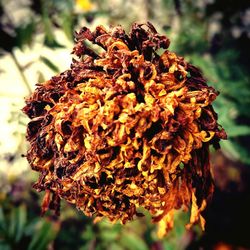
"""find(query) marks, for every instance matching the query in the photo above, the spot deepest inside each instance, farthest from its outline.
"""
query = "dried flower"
(124, 128)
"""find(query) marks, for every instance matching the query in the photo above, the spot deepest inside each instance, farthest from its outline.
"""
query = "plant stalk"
(25, 81)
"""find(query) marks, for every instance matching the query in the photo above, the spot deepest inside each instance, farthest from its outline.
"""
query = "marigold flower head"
(124, 128)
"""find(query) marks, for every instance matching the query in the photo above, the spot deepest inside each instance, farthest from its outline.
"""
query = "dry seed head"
(124, 128)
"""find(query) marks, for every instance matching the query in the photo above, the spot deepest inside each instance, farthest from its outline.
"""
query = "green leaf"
(5, 246)
(18, 218)
(24, 34)
(115, 246)
(2, 220)
(43, 236)
(169, 245)
(238, 130)
(229, 148)
(109, 235)
(12, 223)
(50, 64)
(67, 24)
(236, 151)
(31, 226)
(132, 242)
(21, 217)
(50, 39)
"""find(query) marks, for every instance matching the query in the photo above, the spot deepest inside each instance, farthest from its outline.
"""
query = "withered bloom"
(124, 128)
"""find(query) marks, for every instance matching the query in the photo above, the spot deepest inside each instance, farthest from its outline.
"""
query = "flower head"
(124, 128)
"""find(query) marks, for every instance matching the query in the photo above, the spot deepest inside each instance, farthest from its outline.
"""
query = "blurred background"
(36, 38)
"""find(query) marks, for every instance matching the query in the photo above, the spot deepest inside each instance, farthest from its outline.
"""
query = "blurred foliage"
(218, 55)
(21, 227)
(18, 233)
(214, 35)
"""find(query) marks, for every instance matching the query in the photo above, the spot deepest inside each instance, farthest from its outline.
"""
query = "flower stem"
(25, 81)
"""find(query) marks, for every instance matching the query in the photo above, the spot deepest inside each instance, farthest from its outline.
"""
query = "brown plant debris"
(124, 128)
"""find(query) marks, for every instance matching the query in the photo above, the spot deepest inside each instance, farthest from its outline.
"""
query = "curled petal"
(124, 128)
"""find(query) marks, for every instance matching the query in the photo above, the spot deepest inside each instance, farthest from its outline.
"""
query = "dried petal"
(124, 128)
